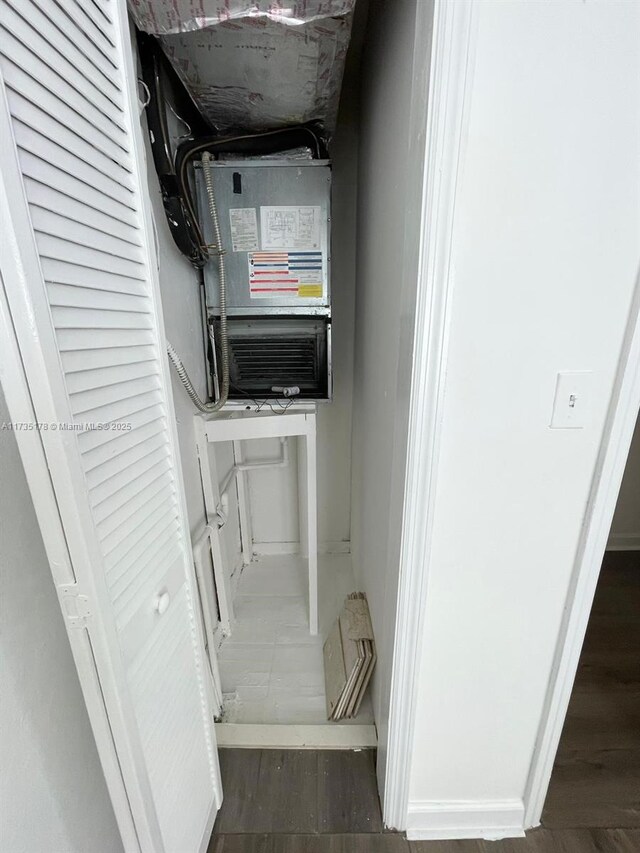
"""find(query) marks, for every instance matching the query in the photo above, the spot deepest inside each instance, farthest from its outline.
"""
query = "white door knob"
(162, 602)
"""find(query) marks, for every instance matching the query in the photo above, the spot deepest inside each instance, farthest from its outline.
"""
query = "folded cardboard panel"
(349, 658)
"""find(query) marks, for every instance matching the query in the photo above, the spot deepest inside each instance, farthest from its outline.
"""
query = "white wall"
(625, 529)
(545, 258)
(394, 89)
(52, 791)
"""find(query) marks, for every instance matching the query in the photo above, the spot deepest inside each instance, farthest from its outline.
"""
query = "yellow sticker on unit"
(309, 290)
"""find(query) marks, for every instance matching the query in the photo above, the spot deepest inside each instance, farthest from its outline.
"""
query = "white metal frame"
(244, 426)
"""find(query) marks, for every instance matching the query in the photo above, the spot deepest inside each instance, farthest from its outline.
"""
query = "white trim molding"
(605, 486)
(624, 542)
(290, 736)
(268, 549)
(490, 819)
(448, 83)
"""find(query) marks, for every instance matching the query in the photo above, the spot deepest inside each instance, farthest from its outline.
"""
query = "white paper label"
(290, 228)
(244, 229)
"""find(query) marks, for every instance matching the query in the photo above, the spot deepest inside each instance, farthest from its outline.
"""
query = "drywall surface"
(52, 790)
(545, 259)
(393, 117)
(625, 529)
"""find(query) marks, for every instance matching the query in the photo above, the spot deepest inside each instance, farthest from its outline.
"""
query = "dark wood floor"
(596, 778)
(298, 791)
(302, 801)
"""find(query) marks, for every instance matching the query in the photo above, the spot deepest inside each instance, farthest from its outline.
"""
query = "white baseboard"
(271, 548)
(322, 736)
(489, 819)
(334, 547)
(268, 549)
(624, 542)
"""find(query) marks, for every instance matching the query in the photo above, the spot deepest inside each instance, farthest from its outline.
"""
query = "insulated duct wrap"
(255, 66)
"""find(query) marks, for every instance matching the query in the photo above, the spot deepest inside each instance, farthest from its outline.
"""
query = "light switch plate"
(572, 403)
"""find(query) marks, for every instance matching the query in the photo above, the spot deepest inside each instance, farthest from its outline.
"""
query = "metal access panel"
(276, 351)
(275, 225)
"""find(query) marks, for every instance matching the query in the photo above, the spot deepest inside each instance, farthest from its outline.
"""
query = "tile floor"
(271, 667)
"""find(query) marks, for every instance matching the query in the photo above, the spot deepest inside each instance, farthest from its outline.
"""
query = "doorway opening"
(594, 782)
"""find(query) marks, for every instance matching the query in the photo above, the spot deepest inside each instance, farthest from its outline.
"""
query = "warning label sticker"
(288, 273)
(310, 290)
(244, 229)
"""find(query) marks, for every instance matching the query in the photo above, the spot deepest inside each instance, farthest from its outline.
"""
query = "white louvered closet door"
(79, 272)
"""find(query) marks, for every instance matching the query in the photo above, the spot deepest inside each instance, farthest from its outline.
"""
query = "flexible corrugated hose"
(224, 340)
(184, 378)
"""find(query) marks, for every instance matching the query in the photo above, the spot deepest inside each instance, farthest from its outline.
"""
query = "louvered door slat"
(71, 317)
(59, 271)
(98, 400)
(76, 362)
(87, 39)
(50, 199)
(109, 519)
(98, 13)
(19, 55)
(119, 410)
(126, 546)
(125, 481)
(152, 571)
(102, 474)
(43, 38)
(76, 296)
(42, 170)
(60, 225)
(72, 113)
(87, 339)
(120, 543)
(97, 446)
(77, 165)
(71, 140)
(162, 527)
(61, 105)
(91, 380)
(83, 256)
